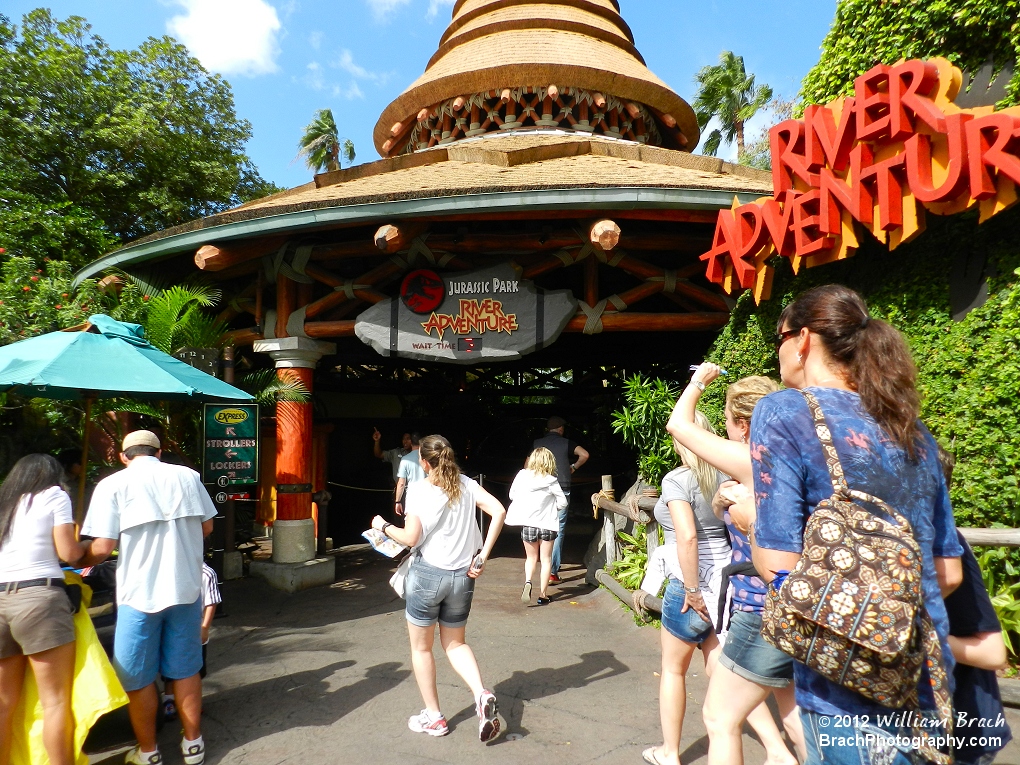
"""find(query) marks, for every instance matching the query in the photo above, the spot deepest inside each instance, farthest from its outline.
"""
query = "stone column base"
(294, 541)
(292, 577)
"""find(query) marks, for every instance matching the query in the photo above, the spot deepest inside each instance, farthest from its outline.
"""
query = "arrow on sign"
(230, 432)
(230, 454)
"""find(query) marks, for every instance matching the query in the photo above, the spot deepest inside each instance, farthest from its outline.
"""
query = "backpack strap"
(832, 463)
(835, 467)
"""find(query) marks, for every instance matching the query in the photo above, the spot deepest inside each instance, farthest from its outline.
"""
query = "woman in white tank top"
(449, 556)
(36, 621)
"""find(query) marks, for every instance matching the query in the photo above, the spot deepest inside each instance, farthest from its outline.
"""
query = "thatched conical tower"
(506, 65)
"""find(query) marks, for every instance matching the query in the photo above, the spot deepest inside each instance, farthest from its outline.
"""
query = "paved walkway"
(324, 676)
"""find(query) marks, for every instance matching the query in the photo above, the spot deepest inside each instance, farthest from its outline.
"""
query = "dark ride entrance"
(530, 238)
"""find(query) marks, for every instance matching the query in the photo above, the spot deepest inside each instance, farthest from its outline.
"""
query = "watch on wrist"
(699, 385)
(384, 527)
(692, 590)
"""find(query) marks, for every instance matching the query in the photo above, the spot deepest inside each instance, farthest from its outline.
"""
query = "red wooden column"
(294, 529)
(294, 451)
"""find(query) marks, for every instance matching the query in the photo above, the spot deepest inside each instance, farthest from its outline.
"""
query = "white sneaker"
(488, 723)
(194, 754)
(136, 757)
(423, 723)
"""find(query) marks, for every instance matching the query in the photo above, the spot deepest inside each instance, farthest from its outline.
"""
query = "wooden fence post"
(609, 524)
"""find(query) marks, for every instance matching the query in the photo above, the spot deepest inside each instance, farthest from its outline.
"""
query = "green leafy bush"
(642, 424)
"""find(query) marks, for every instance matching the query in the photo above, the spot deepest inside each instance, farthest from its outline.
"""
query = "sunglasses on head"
(781, 337)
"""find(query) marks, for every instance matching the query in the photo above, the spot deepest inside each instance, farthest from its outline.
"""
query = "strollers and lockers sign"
(489, 314)
(230, 437)
(879, 160)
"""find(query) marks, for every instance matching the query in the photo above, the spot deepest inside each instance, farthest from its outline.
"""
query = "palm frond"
(268, 388)
(170, 311)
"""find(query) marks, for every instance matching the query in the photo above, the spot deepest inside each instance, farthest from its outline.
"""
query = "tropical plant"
(642, 424)
(758, 152)
(629, 570)
(321, 145)
(728, 93)
(1000, 577)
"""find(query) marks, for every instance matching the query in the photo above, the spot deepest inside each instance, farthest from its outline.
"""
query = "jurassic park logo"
(473, 317)
(879, 160)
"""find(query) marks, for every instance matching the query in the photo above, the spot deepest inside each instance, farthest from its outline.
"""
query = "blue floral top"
(748, 591)
(790, 479)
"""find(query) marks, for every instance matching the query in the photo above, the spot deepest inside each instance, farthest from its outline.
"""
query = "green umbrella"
(104, 358)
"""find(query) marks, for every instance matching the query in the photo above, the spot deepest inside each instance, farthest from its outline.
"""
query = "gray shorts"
(437, 595)
(34, 620)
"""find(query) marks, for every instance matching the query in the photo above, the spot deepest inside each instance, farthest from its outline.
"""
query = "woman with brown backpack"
(846, 476)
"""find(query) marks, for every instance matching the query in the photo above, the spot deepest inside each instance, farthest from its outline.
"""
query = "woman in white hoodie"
(535, 501)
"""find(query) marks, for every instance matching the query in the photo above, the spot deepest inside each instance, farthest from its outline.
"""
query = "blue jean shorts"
(687, 626)
(437, 595)
(167, 643)
(745, 653)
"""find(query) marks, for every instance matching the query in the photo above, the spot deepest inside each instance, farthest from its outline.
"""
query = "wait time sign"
(230, 455)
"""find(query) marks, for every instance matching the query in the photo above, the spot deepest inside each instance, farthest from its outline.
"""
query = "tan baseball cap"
(140, 438)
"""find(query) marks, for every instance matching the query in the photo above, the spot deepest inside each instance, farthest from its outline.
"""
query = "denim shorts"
(745, 653)
(167, 643)
(437, 595)
(687, 626)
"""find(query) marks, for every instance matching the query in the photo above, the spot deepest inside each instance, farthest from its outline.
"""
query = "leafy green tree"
(321, 145)
(728, 93)
(99, 146)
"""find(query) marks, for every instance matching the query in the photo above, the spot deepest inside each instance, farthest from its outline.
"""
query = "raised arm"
(727, 456)
(376, 444)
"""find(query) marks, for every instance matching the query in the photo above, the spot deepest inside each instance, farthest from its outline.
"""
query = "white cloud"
(382, 9)
(314, 78)
(349, 93)
(229, 36)
(346, 62)
(315, 40)
(436, 5)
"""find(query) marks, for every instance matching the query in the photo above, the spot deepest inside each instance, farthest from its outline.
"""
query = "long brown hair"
(30, 475)
(437, 451)
(875, 356)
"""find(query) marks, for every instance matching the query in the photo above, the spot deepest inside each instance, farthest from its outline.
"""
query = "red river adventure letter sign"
(466, 318)
(878, 160)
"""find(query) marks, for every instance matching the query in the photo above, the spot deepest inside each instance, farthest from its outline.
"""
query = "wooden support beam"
(371, 278)
(286, 299)
(332, 280)
(653, 322)
(637, 267)
(330, 328)
(604, 234)
(231, 311)
(591, 281)
(217, 257)
(642, 291)
(242, 337)
(393, 238)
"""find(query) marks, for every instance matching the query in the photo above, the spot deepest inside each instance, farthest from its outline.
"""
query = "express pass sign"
(878, 161)
(489, 314)
(230, 454)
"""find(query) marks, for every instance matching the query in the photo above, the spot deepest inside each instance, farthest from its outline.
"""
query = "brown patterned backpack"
(852, 609)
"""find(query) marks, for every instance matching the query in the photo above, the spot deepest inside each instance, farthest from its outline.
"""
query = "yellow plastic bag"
(96, 692)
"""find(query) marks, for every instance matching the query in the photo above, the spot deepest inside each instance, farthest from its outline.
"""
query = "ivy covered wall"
(969, 369)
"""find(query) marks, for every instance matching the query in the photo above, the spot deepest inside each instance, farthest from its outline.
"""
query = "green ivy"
(867, 32)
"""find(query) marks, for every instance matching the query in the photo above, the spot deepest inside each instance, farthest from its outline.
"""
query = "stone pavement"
(324, 676)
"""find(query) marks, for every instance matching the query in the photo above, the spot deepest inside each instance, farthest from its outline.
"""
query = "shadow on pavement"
(307, 695)
(544, 682)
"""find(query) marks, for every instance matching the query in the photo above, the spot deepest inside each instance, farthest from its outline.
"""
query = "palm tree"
(728, 93)
(321, 145)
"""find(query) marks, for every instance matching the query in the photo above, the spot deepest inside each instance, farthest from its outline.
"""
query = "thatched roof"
(497, 44)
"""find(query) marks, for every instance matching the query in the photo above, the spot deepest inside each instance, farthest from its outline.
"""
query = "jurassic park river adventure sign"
(464, 318)
(878, 160)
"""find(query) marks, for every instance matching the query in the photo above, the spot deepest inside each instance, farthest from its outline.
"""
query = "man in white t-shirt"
(410, 471)
(158, 515)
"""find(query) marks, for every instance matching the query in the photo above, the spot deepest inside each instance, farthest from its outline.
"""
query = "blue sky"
(287, 58)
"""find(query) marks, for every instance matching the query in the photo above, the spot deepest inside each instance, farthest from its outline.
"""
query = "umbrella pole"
(80, 509)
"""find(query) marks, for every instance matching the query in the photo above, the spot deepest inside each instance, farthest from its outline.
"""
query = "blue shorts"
(437, 595)
(167, 643)
(745, 653)
(687, 626)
